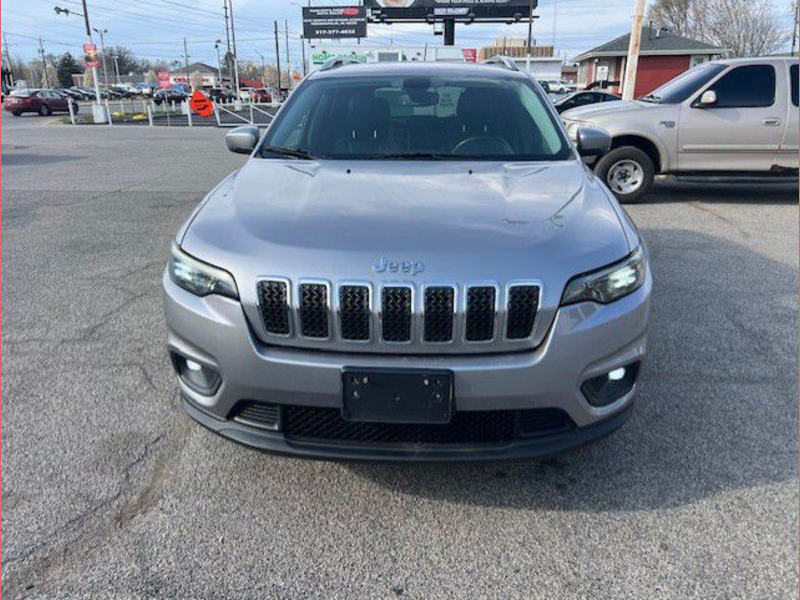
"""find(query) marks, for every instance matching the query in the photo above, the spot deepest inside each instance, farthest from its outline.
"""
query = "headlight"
(198, 277)
(607, 284)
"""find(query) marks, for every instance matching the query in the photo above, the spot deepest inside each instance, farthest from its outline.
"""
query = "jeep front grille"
(480, 313)
(314, 310)
(439, 304)
(354, 312)
(396, 314)
(487, 317)
(273, 298)
(523, 301)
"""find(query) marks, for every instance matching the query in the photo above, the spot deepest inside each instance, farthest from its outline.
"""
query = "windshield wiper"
(651, 98)
(303, 154)
(413, 156)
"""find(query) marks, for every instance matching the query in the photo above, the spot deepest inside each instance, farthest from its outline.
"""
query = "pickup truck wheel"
(627, 171)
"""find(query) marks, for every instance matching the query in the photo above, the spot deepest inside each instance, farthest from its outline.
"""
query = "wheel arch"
(644, 144)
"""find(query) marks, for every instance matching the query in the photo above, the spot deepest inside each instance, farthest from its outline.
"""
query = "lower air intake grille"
(311, 423)
(480, 313)
(523, 302)
(256, 414)
(543, 421)
(396, 314)
(439, 314)
(314, 310)
(273, 302)
(354, 312)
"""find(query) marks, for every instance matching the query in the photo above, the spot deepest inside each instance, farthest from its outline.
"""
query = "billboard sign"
(163, 79)
(470, 10)
(334, 22)
(470, 54)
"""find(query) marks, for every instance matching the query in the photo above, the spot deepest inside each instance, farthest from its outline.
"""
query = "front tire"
(628, 172)
(44, 110)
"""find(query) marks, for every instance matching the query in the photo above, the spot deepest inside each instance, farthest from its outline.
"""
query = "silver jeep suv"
(413, 264)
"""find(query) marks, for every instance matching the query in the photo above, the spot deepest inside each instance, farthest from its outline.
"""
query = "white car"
(245, 92)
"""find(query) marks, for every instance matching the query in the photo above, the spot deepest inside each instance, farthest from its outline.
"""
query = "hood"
(455, 222)
(601, 109)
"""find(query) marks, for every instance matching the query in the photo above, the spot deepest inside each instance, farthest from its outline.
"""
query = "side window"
(793, 77)
(749, 86)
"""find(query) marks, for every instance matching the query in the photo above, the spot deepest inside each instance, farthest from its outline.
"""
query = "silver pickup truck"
(722, 117)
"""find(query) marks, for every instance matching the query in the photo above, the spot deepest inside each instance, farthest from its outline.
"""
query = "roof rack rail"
(502, 61)
(338, 61)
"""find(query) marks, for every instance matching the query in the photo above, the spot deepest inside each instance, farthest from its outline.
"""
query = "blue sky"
(155, 28)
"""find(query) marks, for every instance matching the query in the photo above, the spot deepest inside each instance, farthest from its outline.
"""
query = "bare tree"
(682, 17)
(742, 27)
(745, 27)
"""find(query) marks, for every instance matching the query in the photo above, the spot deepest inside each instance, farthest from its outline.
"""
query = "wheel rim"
(625, 176)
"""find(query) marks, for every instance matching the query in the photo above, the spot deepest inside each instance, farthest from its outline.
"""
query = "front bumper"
(585, 340)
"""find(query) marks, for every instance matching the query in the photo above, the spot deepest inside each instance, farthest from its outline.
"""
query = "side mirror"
(708, 98)
(592, 141)
(242, 139)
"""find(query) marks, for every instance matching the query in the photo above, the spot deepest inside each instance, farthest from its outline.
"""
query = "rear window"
(21, 93)
(419, 117)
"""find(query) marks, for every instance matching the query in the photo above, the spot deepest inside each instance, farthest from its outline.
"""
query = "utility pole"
(8, 58)
(44, 65)
(227, 43)
(632, 63)
(103, 50)
(263, 70)
(530, 26)
(219, 62)
(794, 27)
(235, 55)
(303, 50)
(288, 59)
(278, 57)
(116, 67)
(186, 61)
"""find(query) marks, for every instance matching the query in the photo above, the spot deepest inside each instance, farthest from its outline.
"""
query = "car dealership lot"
(109, 489)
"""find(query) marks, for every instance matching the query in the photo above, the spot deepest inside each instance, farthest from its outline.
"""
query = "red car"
(44, 102)
(261, 95)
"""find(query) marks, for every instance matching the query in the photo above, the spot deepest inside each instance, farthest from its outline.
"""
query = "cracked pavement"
(109, 490)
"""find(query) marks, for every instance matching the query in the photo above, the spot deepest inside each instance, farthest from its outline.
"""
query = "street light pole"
(263, 70)
(116, 67)
(219, 61)
(97, 110)
(103, 50)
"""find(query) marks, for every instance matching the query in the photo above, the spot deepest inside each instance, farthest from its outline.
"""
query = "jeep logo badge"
(399, 266)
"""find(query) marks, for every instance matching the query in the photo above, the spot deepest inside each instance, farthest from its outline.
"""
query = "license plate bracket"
(422, 396)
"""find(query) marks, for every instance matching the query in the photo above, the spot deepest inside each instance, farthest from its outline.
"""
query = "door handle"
(771, 121)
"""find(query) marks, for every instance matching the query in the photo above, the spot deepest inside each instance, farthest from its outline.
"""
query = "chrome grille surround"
(375, 318)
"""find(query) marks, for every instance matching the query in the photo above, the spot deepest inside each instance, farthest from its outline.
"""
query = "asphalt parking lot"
(109, 490)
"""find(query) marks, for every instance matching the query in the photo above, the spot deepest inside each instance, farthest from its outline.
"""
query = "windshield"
(416, 117)
(684, 85)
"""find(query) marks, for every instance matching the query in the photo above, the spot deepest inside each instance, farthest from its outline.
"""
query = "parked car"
(735, 116)
(221, 94)
(575, 99)
(71, 93)
(556, 86)
(44, 102)
(169, 96)
(429, 280)
(260, 95)
(244, 93)
(88, 94)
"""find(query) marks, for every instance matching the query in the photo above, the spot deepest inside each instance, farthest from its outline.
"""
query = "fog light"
(614, 375)
(605, 389)
(201, 378)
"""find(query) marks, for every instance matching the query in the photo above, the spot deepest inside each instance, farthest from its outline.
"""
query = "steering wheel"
(482, 144)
